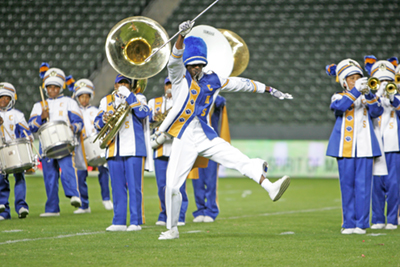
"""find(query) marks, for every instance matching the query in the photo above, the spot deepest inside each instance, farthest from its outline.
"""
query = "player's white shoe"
(181, 223)
(170, 234)
(50, 214)
(390, 226)
(82, 211)
(277, 189)
(1, 218)
(359, 231)
(108, 205)
(160, 223)
(23, 212)
(208, 219)
(133, 227)
(116, 228)
(378, 226)
(2, 208)
(76, 202)
(199, 218)
(347, 231)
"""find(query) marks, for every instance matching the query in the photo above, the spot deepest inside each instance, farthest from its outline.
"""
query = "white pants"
(184, 152)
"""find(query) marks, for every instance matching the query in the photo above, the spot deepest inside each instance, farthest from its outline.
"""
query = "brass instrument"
(158, 119)
(391, 89)
(397, 78)
(113, 124)
(373, 83)
(240, 52)
(128, 44)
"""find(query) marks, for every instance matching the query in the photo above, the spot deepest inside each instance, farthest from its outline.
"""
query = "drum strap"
(110, 109)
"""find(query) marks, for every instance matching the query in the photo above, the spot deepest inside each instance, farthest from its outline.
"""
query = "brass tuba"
(128, 44)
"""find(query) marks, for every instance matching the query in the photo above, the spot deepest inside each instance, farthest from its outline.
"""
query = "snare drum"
(94, 154)
(57, 139)
(17, 156)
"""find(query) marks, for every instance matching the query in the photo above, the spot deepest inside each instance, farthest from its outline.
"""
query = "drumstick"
(43, 100)
(34, 148)
(7, 131)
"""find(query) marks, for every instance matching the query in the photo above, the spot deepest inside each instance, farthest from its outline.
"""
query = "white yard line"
(280, 213)
(54, 237)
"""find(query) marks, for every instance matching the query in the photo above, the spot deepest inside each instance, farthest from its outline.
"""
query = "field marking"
(280, 213)
(12, 231)
(54, 237)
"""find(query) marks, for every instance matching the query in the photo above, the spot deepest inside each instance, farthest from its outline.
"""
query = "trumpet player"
(126, 154)
(354, 143)
(194, 93)
(161, 105)
(385, 188)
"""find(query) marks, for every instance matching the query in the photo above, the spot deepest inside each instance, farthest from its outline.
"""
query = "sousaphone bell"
(128, 44)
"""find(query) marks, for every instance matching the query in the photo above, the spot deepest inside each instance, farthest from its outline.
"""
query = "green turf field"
(301, 229)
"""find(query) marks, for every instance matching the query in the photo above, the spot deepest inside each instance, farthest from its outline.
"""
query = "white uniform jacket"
(161, 104)
(353, 134)
(195, 98)
(14, 125)
(133, 138)
(390, 124)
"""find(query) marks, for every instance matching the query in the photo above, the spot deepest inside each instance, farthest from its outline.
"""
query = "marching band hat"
(120, 77)
(382, 69)
(344, 69)
(167, 80)
(9, 90)
(54, 76)
(84, 86)
(195, 51)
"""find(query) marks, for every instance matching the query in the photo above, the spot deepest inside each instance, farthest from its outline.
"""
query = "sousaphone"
(128, 44)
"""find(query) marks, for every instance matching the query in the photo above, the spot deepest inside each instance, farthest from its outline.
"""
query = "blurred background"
(290, 43)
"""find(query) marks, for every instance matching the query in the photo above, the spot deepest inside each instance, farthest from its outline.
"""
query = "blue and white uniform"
(188, 122)
(161, 157)
(89, 114)
(14, 124)
(61, 108)
(205, 187)
(354, 144)
(126, 156)
(385, 188)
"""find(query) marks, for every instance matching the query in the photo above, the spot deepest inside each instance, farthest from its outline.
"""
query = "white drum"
(94, 154)
(17, 156)
(56, 139)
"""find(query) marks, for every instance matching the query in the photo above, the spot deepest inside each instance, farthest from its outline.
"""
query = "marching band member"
(385, 188)
(353, 143)
(161, 105)
(126, 154)
(57, 108)
(13, 125)
(83, 93)
(194, 92)
(205, 187)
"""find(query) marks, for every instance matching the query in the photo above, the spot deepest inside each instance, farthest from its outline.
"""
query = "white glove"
(185, 27)
(119, 99)
(361, 84)
(381, 89)
(278, 94)
(157, 139)
(124, 91)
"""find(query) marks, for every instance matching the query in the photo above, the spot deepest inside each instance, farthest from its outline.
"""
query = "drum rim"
(16, 141)
(49, 124)
(26, 165)
(45, 152)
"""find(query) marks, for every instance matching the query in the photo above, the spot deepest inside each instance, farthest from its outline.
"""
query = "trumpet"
(397, 79)
(373, 83)
(391, 89)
